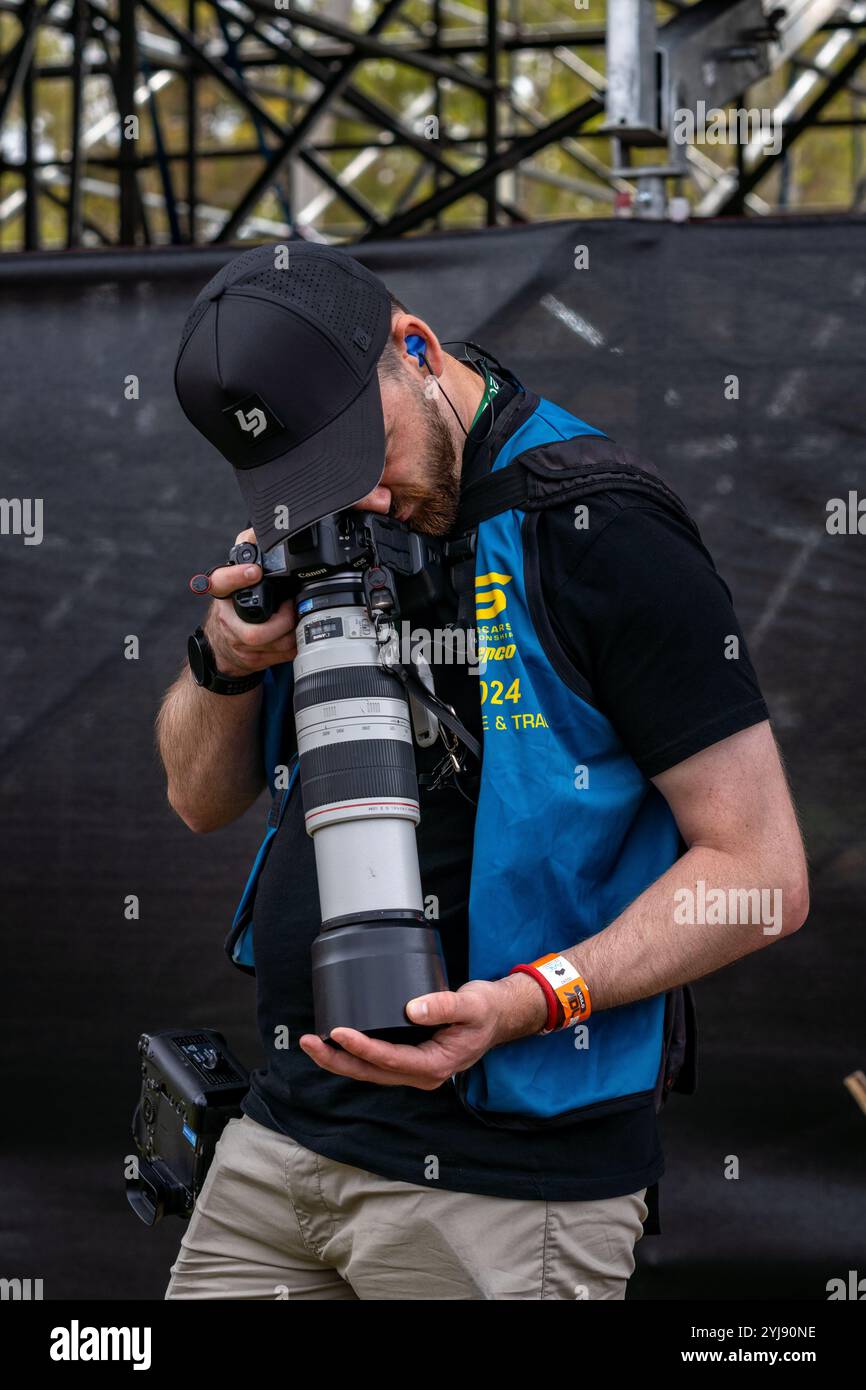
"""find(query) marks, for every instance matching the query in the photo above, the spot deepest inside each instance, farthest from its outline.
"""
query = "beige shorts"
(276, 1221)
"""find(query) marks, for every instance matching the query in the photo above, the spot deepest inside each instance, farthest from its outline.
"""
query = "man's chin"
(436, 520)
(429, 526)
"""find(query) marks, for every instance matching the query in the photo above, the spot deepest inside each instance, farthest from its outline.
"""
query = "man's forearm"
(210, 750)
(653, 946)
(209, 743)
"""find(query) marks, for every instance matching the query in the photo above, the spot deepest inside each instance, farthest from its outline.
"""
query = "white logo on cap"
(254, 422)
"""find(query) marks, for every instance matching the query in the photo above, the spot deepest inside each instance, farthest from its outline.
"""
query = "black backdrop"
(640, 343)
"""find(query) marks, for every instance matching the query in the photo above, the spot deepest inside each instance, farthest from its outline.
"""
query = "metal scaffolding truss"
(149, 121)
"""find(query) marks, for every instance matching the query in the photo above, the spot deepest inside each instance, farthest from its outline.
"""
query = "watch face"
(196, 653)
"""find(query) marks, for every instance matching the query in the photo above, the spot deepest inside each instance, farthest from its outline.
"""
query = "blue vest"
(568, 831)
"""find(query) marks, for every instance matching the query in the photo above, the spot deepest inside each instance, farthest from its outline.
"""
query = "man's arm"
(734, 811)
(209, 744)
(210, 750)
(733, 808)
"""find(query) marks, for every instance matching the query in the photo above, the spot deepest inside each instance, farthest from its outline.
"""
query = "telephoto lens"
(376, 950)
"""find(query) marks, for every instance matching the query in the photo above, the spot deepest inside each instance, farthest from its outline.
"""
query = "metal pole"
(31, 204)
(437, 101)
(126, 73)
(73, 217)
(191, 129)
(491, 103)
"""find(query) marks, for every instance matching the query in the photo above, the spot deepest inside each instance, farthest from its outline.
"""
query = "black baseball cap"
(277, 368)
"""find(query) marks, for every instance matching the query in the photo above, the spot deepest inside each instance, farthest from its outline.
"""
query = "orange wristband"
(569, 987)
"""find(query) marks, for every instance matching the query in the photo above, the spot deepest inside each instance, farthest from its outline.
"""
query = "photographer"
(627, 761)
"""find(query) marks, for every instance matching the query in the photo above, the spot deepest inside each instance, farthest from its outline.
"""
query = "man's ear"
(408, 325)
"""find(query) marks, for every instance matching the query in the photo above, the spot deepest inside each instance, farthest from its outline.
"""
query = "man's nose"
(379, 500)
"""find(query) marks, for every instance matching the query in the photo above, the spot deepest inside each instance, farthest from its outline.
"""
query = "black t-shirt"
(636, 601)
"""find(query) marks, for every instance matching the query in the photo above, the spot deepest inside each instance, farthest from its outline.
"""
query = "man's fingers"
(240, 647)
(227, 579)
(263, 636)
(399, 1058)
(435, 1010)
(346, 1063)
(259, 658)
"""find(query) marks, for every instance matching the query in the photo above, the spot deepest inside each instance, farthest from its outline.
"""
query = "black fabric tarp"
(640, 342)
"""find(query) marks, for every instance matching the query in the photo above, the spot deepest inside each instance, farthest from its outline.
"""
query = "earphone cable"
(472, 362)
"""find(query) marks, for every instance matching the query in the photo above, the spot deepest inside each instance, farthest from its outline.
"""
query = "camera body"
(191, 1086)
(348, 540)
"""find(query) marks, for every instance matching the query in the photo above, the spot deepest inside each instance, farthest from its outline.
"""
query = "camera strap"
(444, 713)
(380, 597)
(550, 474)
(546, 476)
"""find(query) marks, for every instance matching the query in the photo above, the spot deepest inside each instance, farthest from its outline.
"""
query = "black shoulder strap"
(545, 476)
(548, 474)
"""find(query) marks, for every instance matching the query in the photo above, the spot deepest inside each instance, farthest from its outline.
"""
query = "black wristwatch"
(204, 672)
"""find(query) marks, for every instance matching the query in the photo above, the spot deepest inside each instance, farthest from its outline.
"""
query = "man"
(629, 771)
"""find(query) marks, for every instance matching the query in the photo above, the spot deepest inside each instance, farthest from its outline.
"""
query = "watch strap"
(214, 680)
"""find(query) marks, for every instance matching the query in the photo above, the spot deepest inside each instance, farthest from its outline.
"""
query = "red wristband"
(554, 1008)
(557, 976)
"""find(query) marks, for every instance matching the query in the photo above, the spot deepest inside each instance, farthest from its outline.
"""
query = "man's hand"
(210, 744)
(240, 647)
(480, 1016)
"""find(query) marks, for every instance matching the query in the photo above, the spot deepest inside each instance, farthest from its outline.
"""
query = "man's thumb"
(433, 1009)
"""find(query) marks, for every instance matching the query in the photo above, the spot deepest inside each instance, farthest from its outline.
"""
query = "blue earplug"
(416, 347)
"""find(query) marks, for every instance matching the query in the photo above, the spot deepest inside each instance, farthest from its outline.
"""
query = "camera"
(347, 540)
(191, 1086)
(352, 698)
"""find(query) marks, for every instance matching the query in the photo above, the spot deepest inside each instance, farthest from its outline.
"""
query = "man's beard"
(434, 503)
